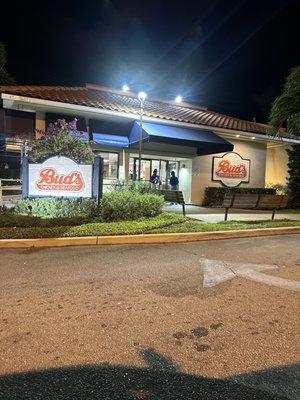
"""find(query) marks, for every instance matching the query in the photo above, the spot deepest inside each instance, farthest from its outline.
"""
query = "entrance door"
(163, 167)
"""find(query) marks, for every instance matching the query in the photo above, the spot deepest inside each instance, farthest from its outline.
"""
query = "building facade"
(204, 148)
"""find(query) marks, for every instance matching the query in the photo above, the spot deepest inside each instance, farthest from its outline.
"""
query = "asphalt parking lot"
(138, 322)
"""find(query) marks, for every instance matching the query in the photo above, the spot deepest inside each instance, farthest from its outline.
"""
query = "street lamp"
(142, 97)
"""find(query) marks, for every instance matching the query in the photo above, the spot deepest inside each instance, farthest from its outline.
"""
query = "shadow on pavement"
(160, 380)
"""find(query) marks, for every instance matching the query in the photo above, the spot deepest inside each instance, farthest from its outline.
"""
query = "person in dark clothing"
(174, 181)
(154, 179)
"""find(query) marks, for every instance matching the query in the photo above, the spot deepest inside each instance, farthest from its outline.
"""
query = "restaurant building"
(203, 147)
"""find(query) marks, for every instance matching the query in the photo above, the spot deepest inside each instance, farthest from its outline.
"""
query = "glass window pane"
(145, 169)
(110, 165)
(132, 174)
(163, 172)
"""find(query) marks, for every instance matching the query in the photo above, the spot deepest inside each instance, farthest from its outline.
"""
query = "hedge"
(8, 219)
(129, 205)
(57, 207)
(213, 196)
(133, 186)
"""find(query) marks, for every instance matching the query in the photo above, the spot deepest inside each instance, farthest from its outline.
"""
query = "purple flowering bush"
(62, 139)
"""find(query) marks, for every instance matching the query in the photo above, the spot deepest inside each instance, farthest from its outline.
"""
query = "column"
(40, 123)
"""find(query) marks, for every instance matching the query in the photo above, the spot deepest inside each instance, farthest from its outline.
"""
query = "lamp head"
(142, 96)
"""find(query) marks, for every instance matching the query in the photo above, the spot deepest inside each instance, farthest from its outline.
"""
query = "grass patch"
(164, 223)
(93, 228)
(196, 226)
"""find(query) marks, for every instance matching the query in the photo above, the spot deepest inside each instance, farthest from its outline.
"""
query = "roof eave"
(32, 104)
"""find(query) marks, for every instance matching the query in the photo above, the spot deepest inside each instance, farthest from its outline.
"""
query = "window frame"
(118, 162)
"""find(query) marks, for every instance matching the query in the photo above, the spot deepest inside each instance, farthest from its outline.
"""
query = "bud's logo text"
(50, 180)
(228, 170)
(231, 169)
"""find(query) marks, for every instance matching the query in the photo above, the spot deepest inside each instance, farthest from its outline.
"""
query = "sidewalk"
(207, 214)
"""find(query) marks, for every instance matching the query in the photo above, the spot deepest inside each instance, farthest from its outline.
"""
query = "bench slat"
(174, 196)
(227, 200)
(270, 201)
(245, 201)
(4, 188)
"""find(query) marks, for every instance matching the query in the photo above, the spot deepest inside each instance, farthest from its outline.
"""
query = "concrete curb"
(146, 239)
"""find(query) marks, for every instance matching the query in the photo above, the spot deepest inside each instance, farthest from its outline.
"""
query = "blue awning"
(110, 140)
(206, 142)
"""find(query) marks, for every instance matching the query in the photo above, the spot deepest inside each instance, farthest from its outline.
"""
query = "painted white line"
(216, 272)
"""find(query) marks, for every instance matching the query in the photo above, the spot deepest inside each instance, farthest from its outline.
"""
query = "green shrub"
(133, 186)
(214, 196)
(57, 207)
(279, 189)
(129, 205)
(3, 209)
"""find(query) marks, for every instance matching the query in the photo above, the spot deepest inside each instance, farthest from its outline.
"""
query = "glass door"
(145, 169)
(172, 166)
(163, 174)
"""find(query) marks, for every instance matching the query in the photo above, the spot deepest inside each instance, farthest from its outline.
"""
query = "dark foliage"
(213, 196)
(294, 176)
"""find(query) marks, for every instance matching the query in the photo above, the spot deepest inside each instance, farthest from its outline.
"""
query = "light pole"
(141, 96)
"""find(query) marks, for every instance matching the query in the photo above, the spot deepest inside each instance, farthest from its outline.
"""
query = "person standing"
(174, 181)
(154, 179)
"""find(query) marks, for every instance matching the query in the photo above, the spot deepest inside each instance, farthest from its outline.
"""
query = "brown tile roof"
(115, 100)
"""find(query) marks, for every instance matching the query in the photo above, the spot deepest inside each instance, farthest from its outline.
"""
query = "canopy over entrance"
(206, 142)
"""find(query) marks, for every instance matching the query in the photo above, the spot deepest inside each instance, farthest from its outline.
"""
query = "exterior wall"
(17, 124)
(202, 168)
(276, 168)
(185, 179)
(40, 123)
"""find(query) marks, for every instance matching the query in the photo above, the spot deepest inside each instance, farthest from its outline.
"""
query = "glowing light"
(125, 88)
(253, 137)
(142, 96)
(178, 99)
(237, 135)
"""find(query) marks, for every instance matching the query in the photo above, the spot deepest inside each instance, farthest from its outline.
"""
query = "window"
(110, 164)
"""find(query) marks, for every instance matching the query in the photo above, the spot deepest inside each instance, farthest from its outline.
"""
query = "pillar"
(40, 123)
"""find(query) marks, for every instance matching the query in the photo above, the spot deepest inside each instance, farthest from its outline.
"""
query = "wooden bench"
(254, 202)
(9, 188)
(174, 196)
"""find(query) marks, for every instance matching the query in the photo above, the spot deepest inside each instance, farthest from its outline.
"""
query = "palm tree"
(286, 107)
(5, 78)
(286, 110)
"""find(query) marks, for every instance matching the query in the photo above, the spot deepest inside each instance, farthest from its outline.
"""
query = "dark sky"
(231, 56)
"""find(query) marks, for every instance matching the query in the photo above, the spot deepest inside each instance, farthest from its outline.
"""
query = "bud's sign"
(231, 169)
(60, 177)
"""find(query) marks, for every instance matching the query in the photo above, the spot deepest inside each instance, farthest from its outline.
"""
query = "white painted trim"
(9, 99)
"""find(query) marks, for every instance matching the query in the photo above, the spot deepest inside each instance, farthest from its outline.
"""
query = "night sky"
(231, 56)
